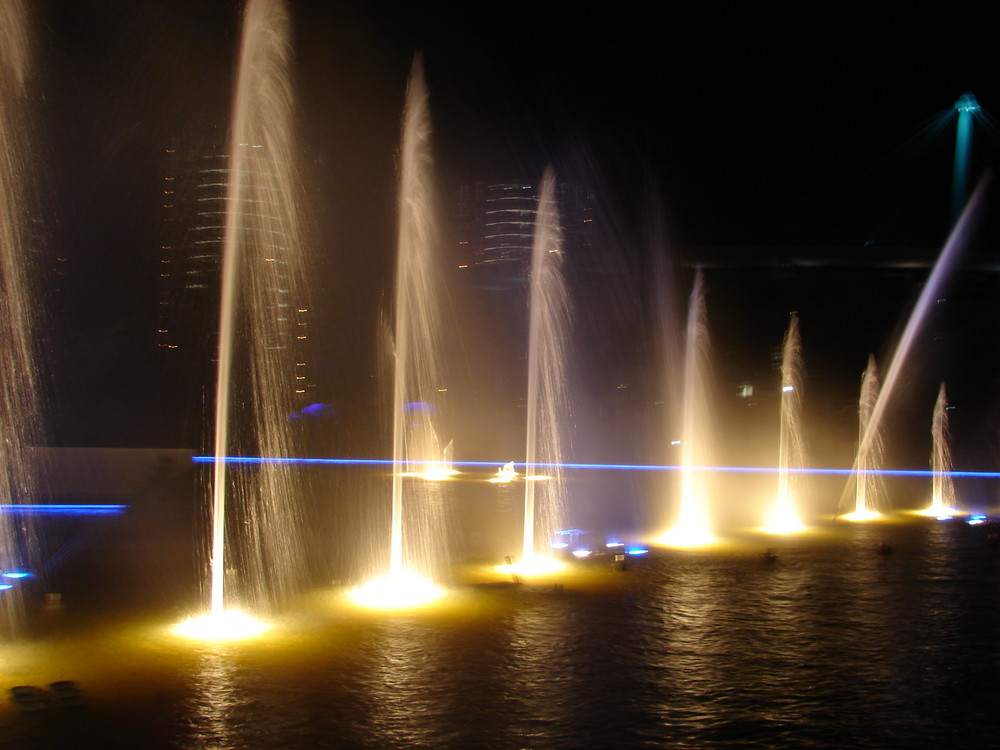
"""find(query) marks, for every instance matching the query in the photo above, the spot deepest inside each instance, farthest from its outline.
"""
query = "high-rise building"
(189, 261)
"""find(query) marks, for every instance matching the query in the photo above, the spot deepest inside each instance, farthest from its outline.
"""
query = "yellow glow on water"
(862, 515)
(432, 474)
(403, 591)
(532, 566)
(938, 511)
(685, 537)
(783, 522)
(231, 625)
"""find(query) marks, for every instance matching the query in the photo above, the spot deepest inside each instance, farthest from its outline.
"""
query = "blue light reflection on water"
(92, 509)
(602, 467)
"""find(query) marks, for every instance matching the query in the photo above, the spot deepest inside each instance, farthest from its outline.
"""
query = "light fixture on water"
(862, 515)
(783, 525)
(505, 474)
(686, 535)
(431, 473)
(783, 519)
(532, 566)
(397, 592)
(229, 625)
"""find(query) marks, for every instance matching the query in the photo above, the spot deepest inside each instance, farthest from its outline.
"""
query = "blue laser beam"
(89, 509)
(603, 467)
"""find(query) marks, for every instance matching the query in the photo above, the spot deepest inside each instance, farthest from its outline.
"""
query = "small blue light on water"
(16, 575)
(976, 520)
(5, 586)
(614, 544)
(559, 545)
(945, 518)
(636, 551)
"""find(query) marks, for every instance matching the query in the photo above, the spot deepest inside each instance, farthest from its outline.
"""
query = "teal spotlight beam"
(966, 106)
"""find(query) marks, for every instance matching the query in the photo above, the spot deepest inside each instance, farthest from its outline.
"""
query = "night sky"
(739, 125)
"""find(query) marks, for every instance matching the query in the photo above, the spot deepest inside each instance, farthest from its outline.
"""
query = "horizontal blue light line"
(600, 467)
(67, 509)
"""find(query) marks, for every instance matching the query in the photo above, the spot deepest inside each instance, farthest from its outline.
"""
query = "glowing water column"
(867, 466)
(942, 487)
(261, 268)
(418, 521)
(18, 393)
(693, 527)
(784, 517)
(549, 323)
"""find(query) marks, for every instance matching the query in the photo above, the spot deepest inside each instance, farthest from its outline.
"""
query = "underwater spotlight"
(230, 625)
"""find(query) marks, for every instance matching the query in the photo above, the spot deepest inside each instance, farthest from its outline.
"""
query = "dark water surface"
(833, 645)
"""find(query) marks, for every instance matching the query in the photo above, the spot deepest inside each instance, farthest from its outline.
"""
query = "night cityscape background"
(796, 161)
(805, 160)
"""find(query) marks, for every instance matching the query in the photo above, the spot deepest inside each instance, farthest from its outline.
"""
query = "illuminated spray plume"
(785, 517)
(931, 291)
(17, 409)
(18, 393)
(547, 402)
(693, 526)
(261, 271)
(868, 487)
(942, 486)
(418, 529)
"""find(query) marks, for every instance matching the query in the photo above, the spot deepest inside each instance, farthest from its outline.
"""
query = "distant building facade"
(188, 267)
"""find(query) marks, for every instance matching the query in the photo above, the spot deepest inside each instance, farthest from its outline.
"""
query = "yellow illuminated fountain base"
(862, 515)
(431, 475)
(532, 566)
(938, 511)
(230, 625)
(783, 523)
(403, 591)
(689, 533)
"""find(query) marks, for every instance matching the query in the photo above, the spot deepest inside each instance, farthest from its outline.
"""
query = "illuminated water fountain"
(869, 490)
(942, 487)
(784, 517)
(419, 519)
(693, 526)
(18, 393)
(869, 444)
(255, 540)
(544, 501)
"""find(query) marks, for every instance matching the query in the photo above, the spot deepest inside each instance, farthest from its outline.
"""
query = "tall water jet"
(693, 526)
(942, 486)
(259, 322)
(418, 530)
(19, 404)
(868, 489)
(785, 517)
(544, 502)
(931, 291)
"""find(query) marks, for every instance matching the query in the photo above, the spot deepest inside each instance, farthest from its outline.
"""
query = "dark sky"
(760, 124)
(751, 125)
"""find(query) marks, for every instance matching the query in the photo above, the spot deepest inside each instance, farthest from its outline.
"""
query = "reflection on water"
(872, 636)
